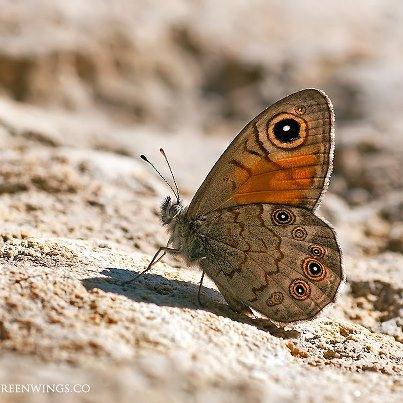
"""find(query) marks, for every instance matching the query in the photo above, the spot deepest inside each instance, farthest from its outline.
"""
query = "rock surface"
(87, 86)
(63, 302)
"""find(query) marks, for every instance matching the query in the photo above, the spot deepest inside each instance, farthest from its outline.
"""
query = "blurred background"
(207, 67)
(86, 86)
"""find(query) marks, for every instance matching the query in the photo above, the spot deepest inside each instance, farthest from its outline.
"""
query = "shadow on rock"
(157, 289)
(152, 288)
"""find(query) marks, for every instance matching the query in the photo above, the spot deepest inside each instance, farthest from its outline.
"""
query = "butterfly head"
(170, 209)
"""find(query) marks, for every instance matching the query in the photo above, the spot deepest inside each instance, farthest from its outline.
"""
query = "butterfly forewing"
(283, 156)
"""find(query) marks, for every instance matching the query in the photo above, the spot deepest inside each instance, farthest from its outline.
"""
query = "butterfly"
(252, 227)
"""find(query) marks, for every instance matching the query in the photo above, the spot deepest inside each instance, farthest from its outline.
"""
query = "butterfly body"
(252, 227)
(186, 234)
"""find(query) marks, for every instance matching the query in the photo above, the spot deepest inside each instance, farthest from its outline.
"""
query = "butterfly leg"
(199, 290)
(235, 305)
(154, 260)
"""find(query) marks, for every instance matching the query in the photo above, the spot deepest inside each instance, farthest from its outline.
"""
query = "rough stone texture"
(63, 302)
(87, 86)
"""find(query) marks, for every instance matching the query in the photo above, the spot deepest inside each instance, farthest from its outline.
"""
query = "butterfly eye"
(299, 289)
(313, 269)
(286, 130)
(282, 217)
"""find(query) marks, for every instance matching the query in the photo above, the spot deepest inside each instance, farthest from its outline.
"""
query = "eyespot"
(299, 233)
(275, 298)
(300, 109)
(313, 269)
(317, 251)
(282, 216)
(299, 289)
(287, 130)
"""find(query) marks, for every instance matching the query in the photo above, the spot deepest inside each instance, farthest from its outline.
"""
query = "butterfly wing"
(264, 247)
(282, 261)
(283, 156)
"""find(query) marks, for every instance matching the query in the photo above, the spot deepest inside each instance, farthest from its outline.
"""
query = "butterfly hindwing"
(282, 261)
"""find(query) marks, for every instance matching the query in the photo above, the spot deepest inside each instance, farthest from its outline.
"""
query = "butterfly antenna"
(172, 174)
(144, 158)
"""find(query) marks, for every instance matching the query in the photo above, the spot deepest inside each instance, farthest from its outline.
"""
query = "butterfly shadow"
(157, 289)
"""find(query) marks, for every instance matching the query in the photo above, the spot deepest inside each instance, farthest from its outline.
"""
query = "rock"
(375, 292)
(396, 238)
(64, 302)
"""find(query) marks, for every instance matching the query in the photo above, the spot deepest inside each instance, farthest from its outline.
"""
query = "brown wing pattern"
(283, 156)
(282, 261)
